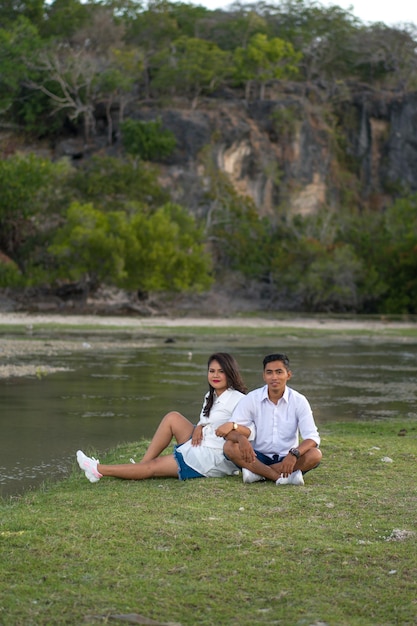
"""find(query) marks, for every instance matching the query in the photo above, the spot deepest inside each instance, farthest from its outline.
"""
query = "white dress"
(208, 458)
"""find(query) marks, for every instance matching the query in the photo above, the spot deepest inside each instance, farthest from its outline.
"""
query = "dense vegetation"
(109, 221)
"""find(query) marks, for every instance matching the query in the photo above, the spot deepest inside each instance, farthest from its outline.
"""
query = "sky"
(387, 11)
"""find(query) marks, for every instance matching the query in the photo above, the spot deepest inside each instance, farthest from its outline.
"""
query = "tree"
(17, 42)
(265, 59)
(29, 197)
(399, 256)
(90, 246)
(71, 71)
(239, 239)
(152, 30)
(69, 78)
(191, 66)
(189, 18)
(64, 18)
(167, 253)
(330, 282)
(322, 34)
(386, 56)
(147, 140)
(158, 252)
(112, 184)
(11, 11)
(117, 84)
(233, 28)
(366, 234)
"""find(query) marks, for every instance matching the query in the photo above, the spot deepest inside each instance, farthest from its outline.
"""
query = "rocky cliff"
(299, 149)
(296, 151)
(302, 148)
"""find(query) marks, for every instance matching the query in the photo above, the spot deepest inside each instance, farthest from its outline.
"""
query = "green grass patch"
(338, 551)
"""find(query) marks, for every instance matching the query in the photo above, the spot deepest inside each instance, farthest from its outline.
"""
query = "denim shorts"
(267, 460)
(185, 471)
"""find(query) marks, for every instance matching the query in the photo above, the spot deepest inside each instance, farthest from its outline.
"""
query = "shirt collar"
(266, 397)
(222, 396)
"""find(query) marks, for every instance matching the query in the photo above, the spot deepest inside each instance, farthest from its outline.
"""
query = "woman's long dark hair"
(234, 379)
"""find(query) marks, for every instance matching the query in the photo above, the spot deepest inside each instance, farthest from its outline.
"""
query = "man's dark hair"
(277, 357)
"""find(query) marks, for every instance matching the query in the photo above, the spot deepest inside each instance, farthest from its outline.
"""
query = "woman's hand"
(197, 437)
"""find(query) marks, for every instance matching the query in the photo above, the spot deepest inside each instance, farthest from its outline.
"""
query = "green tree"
(366, 234)
(166, 252)
(118, 83)
(239, 239)
(90, 246)
(11, 11)
(30, 197)
(158, 252)
(265, 59)
(399, 256)
(113, 184)
(64, 18)
(322, 34)
(147, 140)
(16, 42)
(191, 67)
(233, 28)
(191, 19)
(330, 281)
(152, 30)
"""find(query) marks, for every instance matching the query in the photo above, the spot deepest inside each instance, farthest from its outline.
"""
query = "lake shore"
(28, 343)
(258, 321)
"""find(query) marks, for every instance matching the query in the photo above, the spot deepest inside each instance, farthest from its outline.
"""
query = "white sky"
(391, 12)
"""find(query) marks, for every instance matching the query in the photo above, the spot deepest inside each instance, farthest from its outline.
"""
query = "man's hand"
(287, 465)
(246, 450)
(197, 437)
(224, 429)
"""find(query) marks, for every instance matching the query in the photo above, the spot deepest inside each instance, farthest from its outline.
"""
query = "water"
(121, 396)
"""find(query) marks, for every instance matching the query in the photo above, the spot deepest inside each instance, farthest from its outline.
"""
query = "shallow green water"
(121, 396)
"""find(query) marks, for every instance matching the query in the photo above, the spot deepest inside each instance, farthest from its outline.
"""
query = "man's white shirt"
(277, 426)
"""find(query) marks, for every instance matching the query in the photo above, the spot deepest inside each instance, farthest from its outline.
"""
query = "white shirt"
(278, 426)
(221, 412)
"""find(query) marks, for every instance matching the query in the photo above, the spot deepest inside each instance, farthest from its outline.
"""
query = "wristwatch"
(235, 426)
(294, 452)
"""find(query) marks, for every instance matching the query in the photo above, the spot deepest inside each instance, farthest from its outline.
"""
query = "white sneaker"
(250, 477)
(89, 467)
(296, 478)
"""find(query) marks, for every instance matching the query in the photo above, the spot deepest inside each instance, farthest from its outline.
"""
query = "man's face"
(276, 376)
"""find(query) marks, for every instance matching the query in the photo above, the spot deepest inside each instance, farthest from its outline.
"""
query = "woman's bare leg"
(163, 466)
(152, 465)
(173, 425)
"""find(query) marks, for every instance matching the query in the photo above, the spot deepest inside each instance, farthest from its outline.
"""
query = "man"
(280, 415)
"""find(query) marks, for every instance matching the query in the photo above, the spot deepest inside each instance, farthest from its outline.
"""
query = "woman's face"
(216, 377)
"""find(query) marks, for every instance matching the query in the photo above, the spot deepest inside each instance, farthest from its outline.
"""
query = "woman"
(199, 452)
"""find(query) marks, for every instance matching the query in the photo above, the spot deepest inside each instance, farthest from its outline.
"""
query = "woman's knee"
(174, 416)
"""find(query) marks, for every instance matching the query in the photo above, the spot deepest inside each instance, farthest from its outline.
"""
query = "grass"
(338, 551)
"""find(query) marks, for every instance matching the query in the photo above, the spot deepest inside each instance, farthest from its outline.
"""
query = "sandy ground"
(30, 319)
(13, 351)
